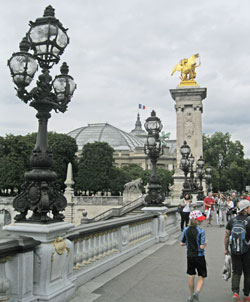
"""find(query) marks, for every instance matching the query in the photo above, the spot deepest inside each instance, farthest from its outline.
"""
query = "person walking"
(222, 205)
(194, 238)
(185, 211)
(208, 204)
(238, 235)
(236, 201)
(230, 208)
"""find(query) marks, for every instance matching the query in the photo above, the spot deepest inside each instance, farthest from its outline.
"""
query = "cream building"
(129, 147)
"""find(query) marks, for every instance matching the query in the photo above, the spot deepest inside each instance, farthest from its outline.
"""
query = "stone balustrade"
(51, 261)
(16, 268)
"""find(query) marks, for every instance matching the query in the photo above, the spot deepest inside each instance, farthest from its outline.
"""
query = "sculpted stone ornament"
(133, 186)
(60, 246)
(187, 68)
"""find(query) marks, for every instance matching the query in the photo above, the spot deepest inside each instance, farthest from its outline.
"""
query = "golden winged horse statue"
(187, 69)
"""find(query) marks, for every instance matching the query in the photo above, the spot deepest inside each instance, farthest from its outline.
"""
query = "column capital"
(188, 92)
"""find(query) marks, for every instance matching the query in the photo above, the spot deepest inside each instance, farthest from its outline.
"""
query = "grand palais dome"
(103, 132)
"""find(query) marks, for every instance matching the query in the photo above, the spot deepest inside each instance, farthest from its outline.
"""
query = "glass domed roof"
(116, 138)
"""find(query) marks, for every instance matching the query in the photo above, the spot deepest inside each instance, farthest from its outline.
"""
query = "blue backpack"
(239, 245)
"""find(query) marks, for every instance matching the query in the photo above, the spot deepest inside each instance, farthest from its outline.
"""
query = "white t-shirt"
(187, 207)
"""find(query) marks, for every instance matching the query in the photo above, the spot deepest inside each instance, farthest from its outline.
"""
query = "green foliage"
(229, 168)
(94, 169)
(64, 149)
(165, 178)
(15, 152)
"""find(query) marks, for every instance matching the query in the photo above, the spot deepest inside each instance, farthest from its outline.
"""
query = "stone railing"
(53, 260)
(100, 246)
(117, 212)
(98, 200)
(16, 267)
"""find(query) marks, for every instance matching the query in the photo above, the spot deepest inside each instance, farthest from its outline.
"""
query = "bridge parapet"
(65, 257)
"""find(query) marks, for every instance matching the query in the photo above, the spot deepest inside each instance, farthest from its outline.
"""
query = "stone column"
(189, 107)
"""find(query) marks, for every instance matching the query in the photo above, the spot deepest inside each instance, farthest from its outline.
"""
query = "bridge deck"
(159, 274)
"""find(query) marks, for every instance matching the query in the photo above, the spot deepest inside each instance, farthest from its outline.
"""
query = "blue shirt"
(194, 237)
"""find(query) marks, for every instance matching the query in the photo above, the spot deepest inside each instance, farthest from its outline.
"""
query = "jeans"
(184, 218)
(241, 263)
(222, 216)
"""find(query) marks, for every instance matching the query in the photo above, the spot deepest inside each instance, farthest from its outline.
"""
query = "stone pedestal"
(189, 107)
(53, 260)
(161, 211)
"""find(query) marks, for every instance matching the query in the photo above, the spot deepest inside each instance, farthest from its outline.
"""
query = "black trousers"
(184, 219)
(241, 263)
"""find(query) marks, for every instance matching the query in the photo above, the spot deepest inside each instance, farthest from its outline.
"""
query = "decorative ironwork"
(153, 148)
(190, 184)
(48, 39)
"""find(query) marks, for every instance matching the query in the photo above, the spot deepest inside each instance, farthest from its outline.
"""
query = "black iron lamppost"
(153, 149)
(184, 166)
(200, 173)
(208, 178)
(47, 38)
(192, 178)
(220, 164)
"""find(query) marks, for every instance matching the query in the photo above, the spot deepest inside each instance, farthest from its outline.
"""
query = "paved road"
(161, 276)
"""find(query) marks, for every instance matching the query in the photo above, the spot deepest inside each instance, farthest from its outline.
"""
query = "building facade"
(129, 147)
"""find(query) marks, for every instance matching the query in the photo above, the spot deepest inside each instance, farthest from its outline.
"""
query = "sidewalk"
(159, 274)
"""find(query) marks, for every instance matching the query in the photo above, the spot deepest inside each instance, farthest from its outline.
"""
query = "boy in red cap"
(193, 237)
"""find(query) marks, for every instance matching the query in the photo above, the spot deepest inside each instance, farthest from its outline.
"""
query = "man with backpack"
(238, 236)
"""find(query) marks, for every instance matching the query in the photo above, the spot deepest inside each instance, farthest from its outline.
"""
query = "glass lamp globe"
(64, 85)
(22, 65)
(200, 162)
(185, 149)
(153, 124)
(48, 38)
(208, 170)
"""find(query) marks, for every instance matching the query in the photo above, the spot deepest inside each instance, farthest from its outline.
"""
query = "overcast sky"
(121, 54)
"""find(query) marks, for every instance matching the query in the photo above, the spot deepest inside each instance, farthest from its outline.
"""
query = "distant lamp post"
(220, 164)
(208, 178)
(200, 173)
(184, 166)
(153, 149)
(47, 38)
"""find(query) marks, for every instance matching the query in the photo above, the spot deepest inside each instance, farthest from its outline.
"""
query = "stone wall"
(58, 257)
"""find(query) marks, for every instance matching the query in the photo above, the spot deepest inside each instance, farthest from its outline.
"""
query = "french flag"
(142, 106)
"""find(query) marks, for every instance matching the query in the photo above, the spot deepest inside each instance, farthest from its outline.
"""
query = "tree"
(165, 178)
(118, 178)
(15, 152)
(227, 160)
(95, 166)
(14, 161)
(64, 150)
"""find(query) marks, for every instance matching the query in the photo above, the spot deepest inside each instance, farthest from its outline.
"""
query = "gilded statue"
(187, 68)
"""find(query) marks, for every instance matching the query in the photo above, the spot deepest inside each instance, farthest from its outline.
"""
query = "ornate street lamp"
(200, 173)
(208, 178)
(153, 149)
(184, 166)
(47, 38)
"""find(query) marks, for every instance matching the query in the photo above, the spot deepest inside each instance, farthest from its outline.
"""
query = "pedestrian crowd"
(231, 212)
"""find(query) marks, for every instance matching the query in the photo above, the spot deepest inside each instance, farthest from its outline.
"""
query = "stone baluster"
(98, 246)
(91, 249)
(101, 245)
(105, 243)
(115, 240)
(95, 247)
(109, 242)
(4, 281)
(87, 247)
(76, 246)
(84, 255)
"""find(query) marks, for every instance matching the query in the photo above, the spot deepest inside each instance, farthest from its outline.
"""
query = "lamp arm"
(24, 95)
